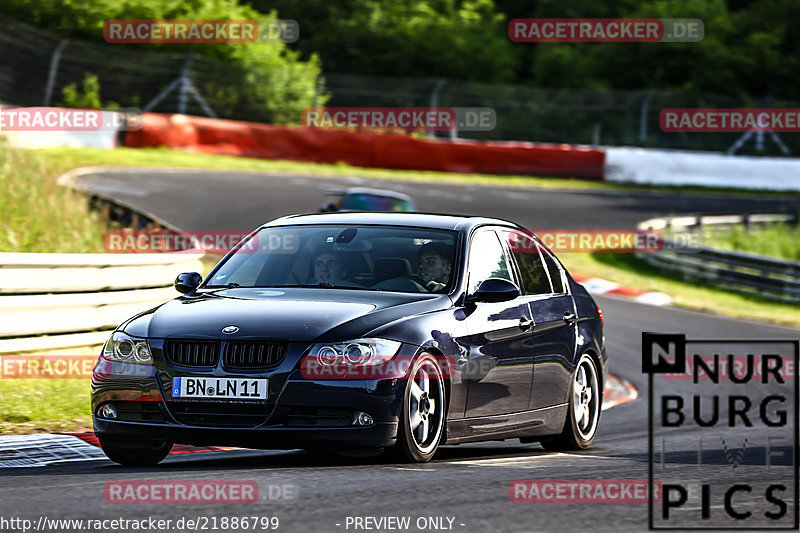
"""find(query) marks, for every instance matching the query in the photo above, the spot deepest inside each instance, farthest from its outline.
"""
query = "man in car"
(328, 265)
(435, 265)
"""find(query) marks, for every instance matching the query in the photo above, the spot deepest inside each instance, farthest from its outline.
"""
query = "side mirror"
(187, 282)
(495, 290)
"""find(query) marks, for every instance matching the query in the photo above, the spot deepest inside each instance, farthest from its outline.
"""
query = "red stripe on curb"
(626, 291)
(91, 438)
(621, 290)
(618, 392)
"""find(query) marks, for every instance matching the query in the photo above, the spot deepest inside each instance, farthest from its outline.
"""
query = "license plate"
(223, 388)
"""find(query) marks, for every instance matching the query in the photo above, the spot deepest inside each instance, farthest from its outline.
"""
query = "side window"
(487, 259)
(555, 272)
(527, 254)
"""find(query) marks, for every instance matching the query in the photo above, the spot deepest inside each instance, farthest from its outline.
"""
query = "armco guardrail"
(54, 301)
(746, 273)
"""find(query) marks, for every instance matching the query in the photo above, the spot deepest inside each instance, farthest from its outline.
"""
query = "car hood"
(293, 314)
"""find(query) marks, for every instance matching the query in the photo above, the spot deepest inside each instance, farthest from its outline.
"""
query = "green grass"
(775, 240)
(36, 214)
(44, 405)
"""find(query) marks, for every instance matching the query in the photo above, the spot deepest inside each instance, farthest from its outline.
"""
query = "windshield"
(376, 258)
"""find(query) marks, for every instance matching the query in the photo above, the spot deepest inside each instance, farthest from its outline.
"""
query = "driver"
(435, 265)
(328, 265)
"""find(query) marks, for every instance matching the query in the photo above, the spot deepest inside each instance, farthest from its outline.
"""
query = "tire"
(585, 400)
(422, 419)
(133, 453)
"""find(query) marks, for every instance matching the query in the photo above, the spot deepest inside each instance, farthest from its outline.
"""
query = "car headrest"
(391, 267)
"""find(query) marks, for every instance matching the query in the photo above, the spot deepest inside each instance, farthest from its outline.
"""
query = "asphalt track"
(469, 483)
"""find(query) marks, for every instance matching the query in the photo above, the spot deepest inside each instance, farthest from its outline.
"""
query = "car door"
(553, 335)
(499, 369)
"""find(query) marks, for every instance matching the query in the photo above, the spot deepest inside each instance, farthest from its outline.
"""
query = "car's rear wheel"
(422, 422)
(135, 453)
(585, 401)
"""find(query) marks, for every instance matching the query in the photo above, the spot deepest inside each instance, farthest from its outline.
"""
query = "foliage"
(87, 97)
(462, 39)
(750, 49)
(776, 240)
(269, 76)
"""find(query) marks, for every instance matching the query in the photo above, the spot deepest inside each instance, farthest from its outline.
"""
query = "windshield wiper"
(231, 285)
(324, 285)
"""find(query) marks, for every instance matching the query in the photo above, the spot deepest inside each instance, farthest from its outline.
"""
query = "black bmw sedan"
(360, 332)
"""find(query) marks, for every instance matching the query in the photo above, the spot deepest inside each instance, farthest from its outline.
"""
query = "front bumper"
(380, 434)
(285, 420)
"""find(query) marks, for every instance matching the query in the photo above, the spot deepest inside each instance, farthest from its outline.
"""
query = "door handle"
(525, 323)
(570, 318)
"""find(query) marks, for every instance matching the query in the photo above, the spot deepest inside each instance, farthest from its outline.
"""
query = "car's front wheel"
(135, 453)
(422, 421)
(584, 409)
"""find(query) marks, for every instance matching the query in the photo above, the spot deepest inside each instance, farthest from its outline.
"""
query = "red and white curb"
(47, 449)
(44, 449)
(605, 287)
(617, 392)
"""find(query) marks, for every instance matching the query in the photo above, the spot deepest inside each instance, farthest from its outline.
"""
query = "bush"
(268, 80)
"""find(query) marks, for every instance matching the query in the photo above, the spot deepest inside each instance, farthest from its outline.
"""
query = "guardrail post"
(435, 101)
(51, 75)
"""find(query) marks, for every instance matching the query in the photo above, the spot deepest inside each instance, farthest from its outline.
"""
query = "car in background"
(360, 332)
(365, 199)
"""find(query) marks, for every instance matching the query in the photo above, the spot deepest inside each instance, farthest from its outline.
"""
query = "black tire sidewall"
(579, 441)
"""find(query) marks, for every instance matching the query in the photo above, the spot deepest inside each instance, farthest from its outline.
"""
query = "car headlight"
(355, 352)
(122, 348)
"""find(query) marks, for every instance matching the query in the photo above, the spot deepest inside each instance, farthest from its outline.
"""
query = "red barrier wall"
(394, 151)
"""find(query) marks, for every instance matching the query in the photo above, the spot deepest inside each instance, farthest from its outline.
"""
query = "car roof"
(424, 220)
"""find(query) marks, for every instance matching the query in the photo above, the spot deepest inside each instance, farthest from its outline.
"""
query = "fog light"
(364, 419)
(107, 410)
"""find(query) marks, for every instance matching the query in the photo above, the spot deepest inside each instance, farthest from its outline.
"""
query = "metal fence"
(37, 65)
(746, 273)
